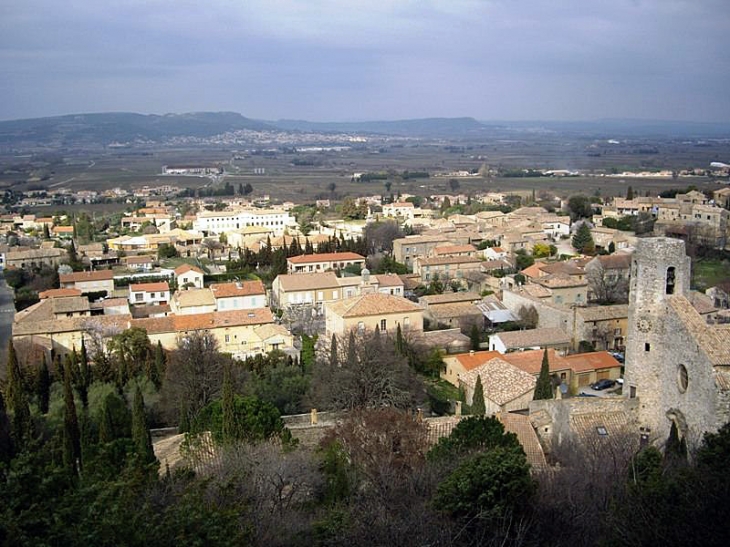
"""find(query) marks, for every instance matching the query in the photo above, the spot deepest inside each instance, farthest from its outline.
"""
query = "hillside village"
(492, 303)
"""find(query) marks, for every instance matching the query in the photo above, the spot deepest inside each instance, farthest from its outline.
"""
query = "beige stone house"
(370, 311)
(192, 301)
(88, 282)
(322, 262)
(506, 387)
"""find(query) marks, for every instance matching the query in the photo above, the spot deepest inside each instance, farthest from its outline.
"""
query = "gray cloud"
(365, 59)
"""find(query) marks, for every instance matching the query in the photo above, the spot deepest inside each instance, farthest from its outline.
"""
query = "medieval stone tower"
(660, 272)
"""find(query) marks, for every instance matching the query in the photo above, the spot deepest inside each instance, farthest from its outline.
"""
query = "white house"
(187, 275)
(239, 295)
(149, 293)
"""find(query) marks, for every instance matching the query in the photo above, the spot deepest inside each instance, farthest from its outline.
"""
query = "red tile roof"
(58, 293)
(325, 257)
(149, 287)
(474, 359)
(584, 362)
(531, 360)
(187, 268)
(95, 275)
(243, 288)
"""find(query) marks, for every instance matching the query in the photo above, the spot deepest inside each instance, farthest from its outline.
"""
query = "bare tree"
(368, 372)
(528, 316)
(606, 286)
(193, 376)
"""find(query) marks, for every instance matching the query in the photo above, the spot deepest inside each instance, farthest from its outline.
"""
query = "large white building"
(220, 222)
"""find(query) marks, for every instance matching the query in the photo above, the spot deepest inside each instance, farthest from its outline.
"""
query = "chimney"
(471, 352)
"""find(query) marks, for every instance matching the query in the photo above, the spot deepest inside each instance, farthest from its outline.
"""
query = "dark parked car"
(603, 384)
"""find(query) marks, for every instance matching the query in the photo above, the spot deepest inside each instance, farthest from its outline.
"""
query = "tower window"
(670, 280)
(682, 378)
(647, 346)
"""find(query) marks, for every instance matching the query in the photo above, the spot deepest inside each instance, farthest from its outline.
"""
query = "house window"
(617, 332)
(138, 297)
(361, 327)
(406, 321)
(383, 324)
(228, 338)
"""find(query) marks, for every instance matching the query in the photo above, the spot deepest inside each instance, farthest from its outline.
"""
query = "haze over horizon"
(330, 60)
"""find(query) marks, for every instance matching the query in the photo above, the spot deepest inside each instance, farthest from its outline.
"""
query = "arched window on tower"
(670, 280)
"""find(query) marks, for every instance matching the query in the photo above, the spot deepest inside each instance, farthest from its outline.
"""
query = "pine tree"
(43, 386)
(475, 337)
(544, 386)
(478, 405)
(229, 427)
(71, 433)
(583, 240)
(21, 424)
(141, 436)
(333, 352)
(6, 440)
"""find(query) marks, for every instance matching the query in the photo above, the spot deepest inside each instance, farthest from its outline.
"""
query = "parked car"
(603, 384)
(618, 356)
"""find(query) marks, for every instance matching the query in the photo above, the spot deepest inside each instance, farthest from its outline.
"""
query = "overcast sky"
(344, 60)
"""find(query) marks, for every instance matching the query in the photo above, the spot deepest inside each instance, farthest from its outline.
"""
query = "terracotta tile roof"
(603, 313)
(536, 291)
(194, 297)
(308, 281)
(501, 381)
(530, 361)
(204, 321)
(94, 275)
(372, 304)
(521, 426)
(141, 259)
(325, 257)
(560, 281)
(438, 261)
(584, 362)
(713, 340)
(454, 310)
(58, 293)
(389, 280)
(113, 302)
(474, 359)
(184, 268)
(566, 268)
(616, 261)
(271, 330)
(149, 287)
(236, 288)
(451, 249)
(70, 304)
(448, 298)
(99, 323)
(534, 337)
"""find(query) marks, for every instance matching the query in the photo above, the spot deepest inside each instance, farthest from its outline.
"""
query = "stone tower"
(660, 273)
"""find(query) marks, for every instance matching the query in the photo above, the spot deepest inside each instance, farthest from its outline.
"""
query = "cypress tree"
(333, 351)
(399, 342)
(141, 436)
(17, 402)
(71, 434)
(43, 386)
(475, 337)
(544, 386)
(84, 379)
(478, 405)
(351, 350)
(183, 425)
(157, 366)
(6, 440)
(106, 423)
(229, 428)
(630, 193)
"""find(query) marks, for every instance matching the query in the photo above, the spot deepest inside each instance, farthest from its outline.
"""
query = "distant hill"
(105, 128)
(426, 127)
(627, 128)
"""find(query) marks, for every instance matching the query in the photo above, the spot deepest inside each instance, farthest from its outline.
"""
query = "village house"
(323, 262)
(453, 310)
(89, 282)
(192, 301)
(504, 342)
(407, 249)
(370, 311)
(139, 263)
(445, 268)
(157, 293)
(34, 258)
(506, 388)
(239, 295)
(189, 276)
(309, 289)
